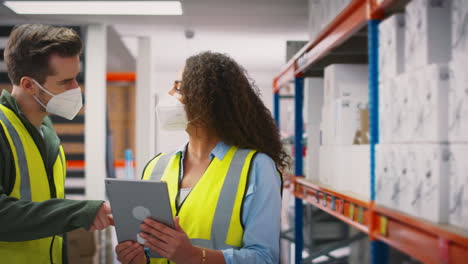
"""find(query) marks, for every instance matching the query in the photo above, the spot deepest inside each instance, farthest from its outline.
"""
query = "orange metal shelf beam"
(423, 240)
(80, 164)
(348, 209)
(379, 6)
(287, 75)
(348, 22)
(121, 77)
(427, 242)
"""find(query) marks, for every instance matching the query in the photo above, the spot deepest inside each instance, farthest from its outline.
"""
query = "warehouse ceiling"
(225, 25)
(237, 13)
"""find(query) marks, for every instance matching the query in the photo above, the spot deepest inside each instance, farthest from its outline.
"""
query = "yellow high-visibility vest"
(31, 184)
(211, 215)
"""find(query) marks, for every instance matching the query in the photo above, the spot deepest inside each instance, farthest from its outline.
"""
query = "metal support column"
(298, 165)
(276, 108)
(379, 250)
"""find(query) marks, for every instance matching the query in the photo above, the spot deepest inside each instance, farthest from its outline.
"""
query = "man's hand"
(103, 218)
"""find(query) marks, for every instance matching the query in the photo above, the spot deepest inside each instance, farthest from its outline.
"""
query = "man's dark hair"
(30, 47)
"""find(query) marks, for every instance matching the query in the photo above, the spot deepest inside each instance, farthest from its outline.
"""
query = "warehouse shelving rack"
(352, 37)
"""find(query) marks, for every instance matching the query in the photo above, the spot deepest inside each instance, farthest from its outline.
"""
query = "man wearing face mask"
(42, 63)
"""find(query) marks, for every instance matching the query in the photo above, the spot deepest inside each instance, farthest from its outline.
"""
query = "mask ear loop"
(42, 88)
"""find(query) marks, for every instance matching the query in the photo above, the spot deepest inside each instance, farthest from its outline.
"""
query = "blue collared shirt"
(261, 211)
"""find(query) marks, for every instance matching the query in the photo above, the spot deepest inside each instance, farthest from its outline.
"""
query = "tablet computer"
(132, 201)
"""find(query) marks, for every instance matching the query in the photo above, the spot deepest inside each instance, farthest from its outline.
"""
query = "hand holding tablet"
(132, 201)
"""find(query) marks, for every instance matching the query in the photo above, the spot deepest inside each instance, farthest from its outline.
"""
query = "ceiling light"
(95, 7)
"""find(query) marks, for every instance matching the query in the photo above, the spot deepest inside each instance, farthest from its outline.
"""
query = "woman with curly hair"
(224, 184)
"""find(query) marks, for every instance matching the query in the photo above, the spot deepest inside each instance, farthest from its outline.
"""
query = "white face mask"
(171, 114)
(66, 104)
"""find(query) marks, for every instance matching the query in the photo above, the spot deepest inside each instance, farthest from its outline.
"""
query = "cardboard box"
(392, 47)
(326, 167)
(458, 102)
(313, 102)
(359, 178)
(387, 104)
(397, 161)
(347, 120)
(458, 204)
(346, 168)
(347, 81)
(381, 176)
(430, 123)
(81, 244)
(387, 182)
(432, 172)
(404, 179)
(362, 135)
(459, 29)
(401, 110)
(411, 195)
(427, 33)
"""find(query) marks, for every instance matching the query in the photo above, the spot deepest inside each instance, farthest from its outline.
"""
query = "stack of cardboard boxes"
(344, 153)
(458, 116)
(421, 111)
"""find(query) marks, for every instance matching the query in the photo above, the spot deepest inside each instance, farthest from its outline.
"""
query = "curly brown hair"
(218, 93)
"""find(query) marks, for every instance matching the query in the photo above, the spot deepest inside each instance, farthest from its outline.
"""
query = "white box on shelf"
(412, 103)
(408, 96)
(404, 179)
(458, 204)
(384, 114)
(327, 124)
(313, 102)
(392, 46)
(351, 172)
(382, 183)
(358, 175)
(433, 171)
(430, 123)
(392, 177)
(460, 29)
(401, 112)
(347, 120)
(342, 165)
(398, 162)
(414, 206)
(347, 80)
(326, 166)
(458, 102)
(387, 104)
(427, 33)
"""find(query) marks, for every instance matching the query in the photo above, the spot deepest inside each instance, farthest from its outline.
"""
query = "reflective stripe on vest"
(31, 184)
(221, 222)
(25, 189)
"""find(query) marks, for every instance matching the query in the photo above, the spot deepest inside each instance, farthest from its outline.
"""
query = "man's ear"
(27, 84)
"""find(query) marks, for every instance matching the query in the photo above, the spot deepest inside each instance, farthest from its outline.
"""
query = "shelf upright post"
(298, 169)
(276, 108)
(379, 250)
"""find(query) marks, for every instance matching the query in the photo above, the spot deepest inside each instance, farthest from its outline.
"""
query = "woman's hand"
(172, 244)
(130, 252)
